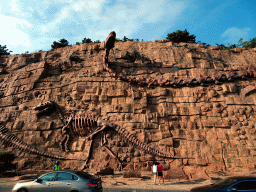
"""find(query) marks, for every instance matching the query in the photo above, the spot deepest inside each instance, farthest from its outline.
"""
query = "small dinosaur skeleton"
(88, 126)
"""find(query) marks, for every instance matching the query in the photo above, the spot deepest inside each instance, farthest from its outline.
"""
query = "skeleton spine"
(130, 137)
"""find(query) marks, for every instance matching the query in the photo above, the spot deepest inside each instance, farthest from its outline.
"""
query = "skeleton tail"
(11, 140)
(130, 137)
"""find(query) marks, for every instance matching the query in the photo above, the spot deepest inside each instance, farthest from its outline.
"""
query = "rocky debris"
(175, 173)
(106, 171)
(195, 173)
(131, 173)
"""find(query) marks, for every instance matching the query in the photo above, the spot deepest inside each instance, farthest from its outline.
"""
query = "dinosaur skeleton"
(202, 80)
(88, 126)
(11, 140)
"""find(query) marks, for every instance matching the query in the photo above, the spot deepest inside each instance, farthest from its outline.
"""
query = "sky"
(33, 25)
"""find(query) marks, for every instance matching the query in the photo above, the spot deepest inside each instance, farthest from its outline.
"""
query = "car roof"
(59, 171)
(243, 177)
(67, 170)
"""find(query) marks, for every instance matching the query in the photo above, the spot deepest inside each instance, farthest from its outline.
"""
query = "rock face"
(211, 126)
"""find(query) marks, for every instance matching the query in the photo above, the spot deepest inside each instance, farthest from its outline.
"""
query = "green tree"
(181, 36)
(97, 41)
(85, 40)
(198, 42)
(232, 46)
(240, 42)
(61, 43)
(221, 46)
(125, 39)
(4, 50)
(250, 44)
(6, 159)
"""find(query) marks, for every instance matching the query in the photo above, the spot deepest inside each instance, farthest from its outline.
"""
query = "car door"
(63, 182)
(244, 186)
(44, 183)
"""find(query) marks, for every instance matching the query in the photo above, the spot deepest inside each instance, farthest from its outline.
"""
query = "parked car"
(239, 183)
(61, 181)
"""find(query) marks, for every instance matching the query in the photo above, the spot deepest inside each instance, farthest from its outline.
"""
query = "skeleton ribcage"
(83, 125)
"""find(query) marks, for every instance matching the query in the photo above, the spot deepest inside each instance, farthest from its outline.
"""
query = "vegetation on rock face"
(127, 39)
(61, 43)
(176, 37)
(181, 36)
(6, 159)
(86, 40)
(198, 42)
(4, 50)
(248, 44)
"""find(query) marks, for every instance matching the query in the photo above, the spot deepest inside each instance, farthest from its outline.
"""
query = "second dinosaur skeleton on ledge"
(88, 126)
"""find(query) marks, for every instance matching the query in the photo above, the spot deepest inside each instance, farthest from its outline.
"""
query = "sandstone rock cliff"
(214, 124)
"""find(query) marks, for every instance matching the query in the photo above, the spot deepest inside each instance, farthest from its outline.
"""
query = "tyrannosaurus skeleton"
(88, 126)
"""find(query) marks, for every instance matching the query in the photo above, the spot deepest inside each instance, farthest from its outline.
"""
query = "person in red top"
(160, 172)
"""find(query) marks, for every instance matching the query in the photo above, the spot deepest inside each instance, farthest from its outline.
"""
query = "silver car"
(61, 181)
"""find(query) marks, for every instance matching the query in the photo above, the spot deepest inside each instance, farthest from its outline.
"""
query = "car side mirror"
(38, 180)
(233, 189)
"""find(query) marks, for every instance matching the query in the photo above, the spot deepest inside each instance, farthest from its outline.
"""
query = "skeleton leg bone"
(103, 142)
(96, 131)
(114, 156)
(64, 128)
(88, 156)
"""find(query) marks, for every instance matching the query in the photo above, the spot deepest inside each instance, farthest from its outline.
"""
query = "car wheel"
(23, 190)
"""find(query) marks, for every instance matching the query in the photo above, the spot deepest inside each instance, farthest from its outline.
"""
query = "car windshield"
(84, 175)
(225, 182)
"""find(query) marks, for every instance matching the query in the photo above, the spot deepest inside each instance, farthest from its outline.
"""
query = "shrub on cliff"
(249, 44)
(181, 36)
(61, 43)
(86, 40)
(6, 159)
(4, 50)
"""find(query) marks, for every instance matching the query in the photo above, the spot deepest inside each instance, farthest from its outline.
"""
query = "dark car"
(239, 183)
(61, 181)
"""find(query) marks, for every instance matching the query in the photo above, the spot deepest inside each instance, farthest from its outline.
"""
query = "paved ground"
(116, 183)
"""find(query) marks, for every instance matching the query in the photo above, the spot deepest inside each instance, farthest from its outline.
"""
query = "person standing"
(155, 172)
(160, 173)
(109, 44)
(57, 166)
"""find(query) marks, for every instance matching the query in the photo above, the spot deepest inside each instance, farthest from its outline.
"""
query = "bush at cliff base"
(6, 159)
